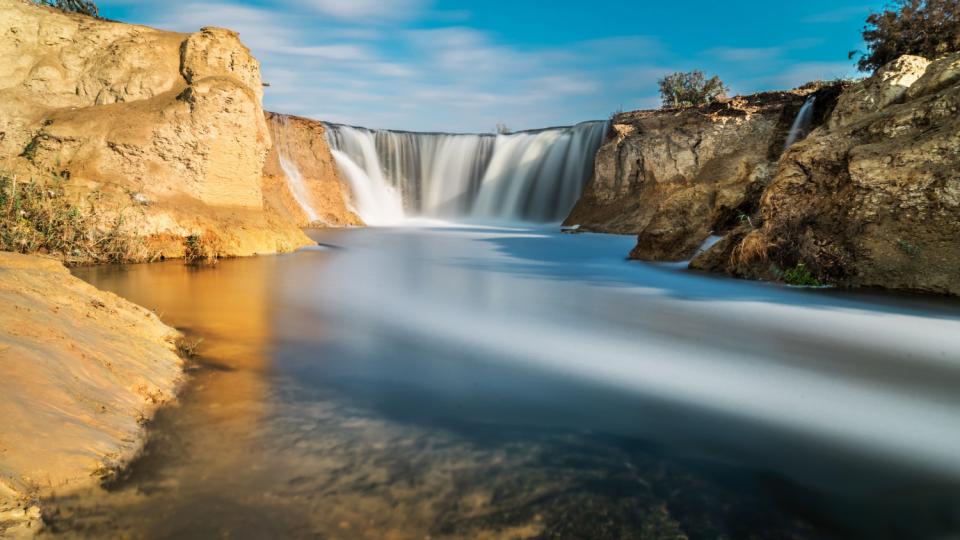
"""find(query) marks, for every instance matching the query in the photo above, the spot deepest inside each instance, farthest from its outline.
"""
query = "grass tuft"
(753, 248)
(199, 250)
(188, 348)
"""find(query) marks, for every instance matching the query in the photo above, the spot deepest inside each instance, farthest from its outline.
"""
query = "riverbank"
(81, 370)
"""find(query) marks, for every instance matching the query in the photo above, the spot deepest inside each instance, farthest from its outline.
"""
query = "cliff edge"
(870, 199)
(673, 177)
(301, 177)
(167, 129)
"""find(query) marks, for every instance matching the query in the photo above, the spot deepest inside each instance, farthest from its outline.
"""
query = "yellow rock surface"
(302, 143)
(168, 127)
(80, 369)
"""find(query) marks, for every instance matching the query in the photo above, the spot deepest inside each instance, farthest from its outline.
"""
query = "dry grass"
(200, 250)
(38, 216)
(188, 348)
(752, 249)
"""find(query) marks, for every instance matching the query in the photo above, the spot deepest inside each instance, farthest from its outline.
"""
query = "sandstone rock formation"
(301, 177)
(871, 199)
(887, 86)
(80, 370)
(167, 127)
(674, 176)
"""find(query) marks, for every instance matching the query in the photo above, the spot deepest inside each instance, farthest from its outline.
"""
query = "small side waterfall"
(801, 124)
(295, 181)
(524, 176)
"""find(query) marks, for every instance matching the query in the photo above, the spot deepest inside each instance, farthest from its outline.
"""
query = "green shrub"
(39, 217)
(690, 89)
(928, 28)
(800, 276)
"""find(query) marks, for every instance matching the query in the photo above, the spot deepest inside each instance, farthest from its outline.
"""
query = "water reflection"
(511, 384)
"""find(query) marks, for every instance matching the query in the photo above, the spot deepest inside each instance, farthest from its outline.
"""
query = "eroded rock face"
(168, 127)
(675, 176)
(888, 85)
(313, 192)
(80, 370)
(872, 200)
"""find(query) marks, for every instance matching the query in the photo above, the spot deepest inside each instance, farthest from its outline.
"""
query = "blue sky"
(450, 65)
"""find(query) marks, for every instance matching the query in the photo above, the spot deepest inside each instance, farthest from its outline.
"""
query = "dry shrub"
(40, 217)
(199, 250)
(753, 248)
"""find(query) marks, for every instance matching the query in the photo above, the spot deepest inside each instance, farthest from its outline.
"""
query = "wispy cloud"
(407, 64)
(839, 15)
(368, 10)
(743, 54)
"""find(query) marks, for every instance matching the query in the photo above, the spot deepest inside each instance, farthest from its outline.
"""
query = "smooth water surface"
(493, 383)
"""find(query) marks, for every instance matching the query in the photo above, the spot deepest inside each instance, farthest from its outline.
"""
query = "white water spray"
(526, 176)
(801, 124)
(295, 181)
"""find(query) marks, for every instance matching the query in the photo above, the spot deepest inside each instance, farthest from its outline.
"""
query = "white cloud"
(738, 54)
(401, 64)
(341, 52)
(368, 10)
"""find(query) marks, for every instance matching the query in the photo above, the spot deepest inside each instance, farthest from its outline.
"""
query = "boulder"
(888, 85)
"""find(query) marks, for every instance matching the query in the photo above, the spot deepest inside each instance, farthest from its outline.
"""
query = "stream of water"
(518, 383)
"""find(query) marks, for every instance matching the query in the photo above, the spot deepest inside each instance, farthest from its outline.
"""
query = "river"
(479, 382)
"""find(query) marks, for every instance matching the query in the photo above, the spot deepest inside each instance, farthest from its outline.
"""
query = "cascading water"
(801, 124)
(289, 167)
(524, 176)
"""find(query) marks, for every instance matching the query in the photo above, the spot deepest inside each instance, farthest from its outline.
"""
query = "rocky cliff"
(166, 128)
(301, 177)
(675, 176)
(873, 197)
(80, 371)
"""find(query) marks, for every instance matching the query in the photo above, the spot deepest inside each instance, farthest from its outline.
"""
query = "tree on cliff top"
(690, 89)
(928, 28)
(87, 7)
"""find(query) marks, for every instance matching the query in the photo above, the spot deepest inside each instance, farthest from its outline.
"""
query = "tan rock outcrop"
(674, 176)
(873, 200)
(888, 85)
(80, 370)
(167, 127)
(310, 189)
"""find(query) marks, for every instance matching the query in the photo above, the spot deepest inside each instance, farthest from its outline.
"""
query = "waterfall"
(801, 124)
(290, 170)
(524, 176)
